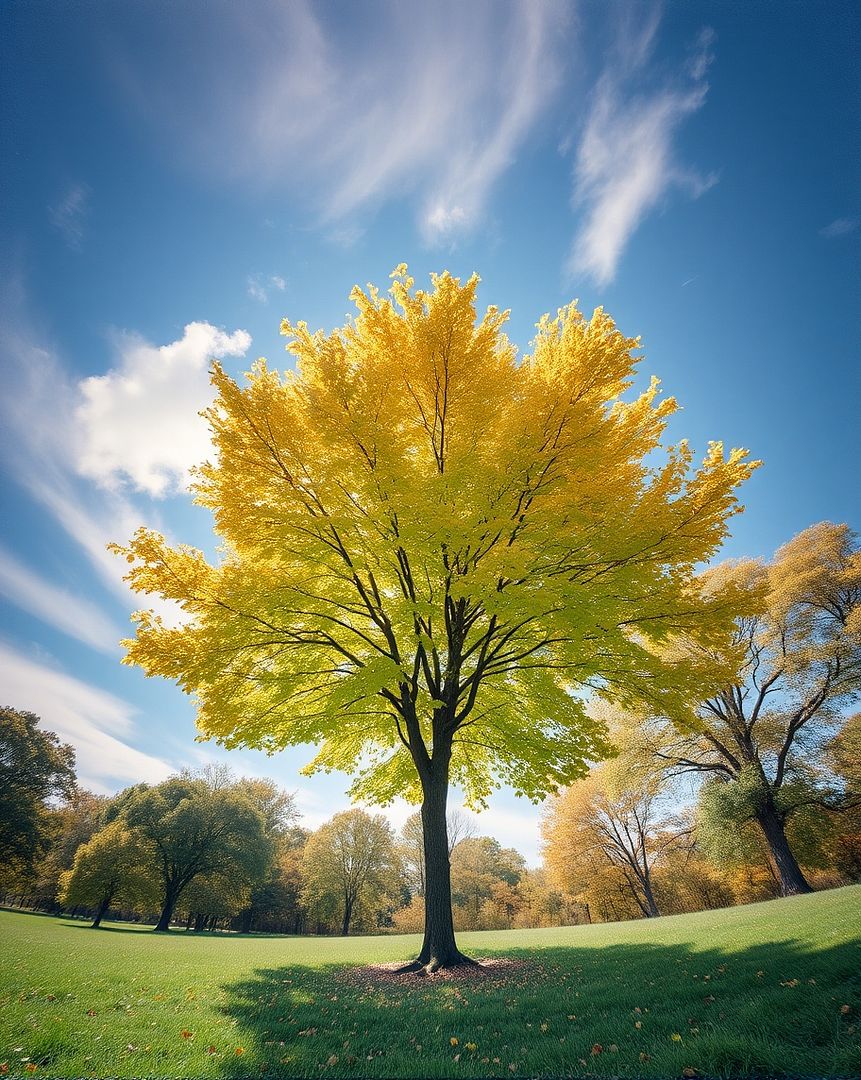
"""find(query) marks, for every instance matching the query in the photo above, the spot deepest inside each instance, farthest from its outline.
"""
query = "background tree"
(843, 760)
(484, 877)
(430, 543)
(350, 863)
(116, 864)
(762, 738)
(412, 846)
(210, 899)
(612, 825)
(197, 831)
(280, 817)
(68, 825)
(35, 767)
(277, 903)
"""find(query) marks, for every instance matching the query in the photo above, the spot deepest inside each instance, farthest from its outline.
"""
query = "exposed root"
(491, 969)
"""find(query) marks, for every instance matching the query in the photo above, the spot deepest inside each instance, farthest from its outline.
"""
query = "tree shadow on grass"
(775, 1010)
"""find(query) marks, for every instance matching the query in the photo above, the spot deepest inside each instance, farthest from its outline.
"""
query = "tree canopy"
(767, 732)
(432, 547)
(35, 766)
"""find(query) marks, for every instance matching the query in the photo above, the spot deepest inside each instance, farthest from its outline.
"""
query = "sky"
(176, 177)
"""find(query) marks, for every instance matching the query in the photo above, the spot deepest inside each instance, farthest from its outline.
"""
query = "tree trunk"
(651, 907)
(792, 880)
(103, 907)
(170, 899)
(439, 949)
(348, 914)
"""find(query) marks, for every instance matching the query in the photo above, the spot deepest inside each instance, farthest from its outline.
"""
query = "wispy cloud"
(95, 722)
(626, 162)
(840, 227)
(426, 102)
(67, 612)
(69, 213)
(138, 424)
(259, 286)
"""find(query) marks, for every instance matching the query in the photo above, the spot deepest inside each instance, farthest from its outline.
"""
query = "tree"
(34, 768)
(762, 737)
(459, 827)
(428, 546)
(69, 825)
(278, 889)
(613, 820)
(196, 831)
(350, 861)
(480, 866)
(114, 864)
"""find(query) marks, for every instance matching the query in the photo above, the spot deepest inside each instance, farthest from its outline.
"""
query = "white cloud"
(429, 102)
(95, 722)
(258, 286)
(840, 227)
(625, 161)
(138, 424)
(69, 214)
(57, 607)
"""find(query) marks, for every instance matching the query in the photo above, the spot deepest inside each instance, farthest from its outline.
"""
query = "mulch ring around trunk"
(492, 969)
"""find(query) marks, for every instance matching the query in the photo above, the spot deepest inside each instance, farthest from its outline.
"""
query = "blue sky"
(177, 177)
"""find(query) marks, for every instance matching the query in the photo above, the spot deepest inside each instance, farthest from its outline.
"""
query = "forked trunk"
(792, 880)
(439, 949)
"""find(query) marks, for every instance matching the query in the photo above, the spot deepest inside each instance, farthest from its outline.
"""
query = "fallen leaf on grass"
(239, 1051)
(845, 1010)
(688, 1072)
(453, 1041)
(597, 1049)
(472, 1047)
(676, 1037)
(186, 1034)
(644, 1056)
(333, 1060)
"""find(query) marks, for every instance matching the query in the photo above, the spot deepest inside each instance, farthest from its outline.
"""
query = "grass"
(771, 989)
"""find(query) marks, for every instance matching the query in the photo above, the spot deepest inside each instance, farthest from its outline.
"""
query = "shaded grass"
(751, 991)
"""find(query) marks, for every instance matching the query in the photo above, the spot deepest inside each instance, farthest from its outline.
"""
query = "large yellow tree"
(432, 549)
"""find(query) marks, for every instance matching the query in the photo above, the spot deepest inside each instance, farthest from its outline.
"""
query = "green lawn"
(767, 990)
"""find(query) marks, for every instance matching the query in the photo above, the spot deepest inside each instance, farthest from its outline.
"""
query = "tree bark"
(792, 880)
(439, 949)
(100, 913)
(348, 913)
(167, 910)
(651, 906)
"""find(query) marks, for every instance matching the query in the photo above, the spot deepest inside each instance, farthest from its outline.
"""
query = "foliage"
(428, 544)
(115, 866)
(605, 834)
(764, 737)
(483, 879)
(350, 869)
(35, 767)
(195, 830)
(118, 1003)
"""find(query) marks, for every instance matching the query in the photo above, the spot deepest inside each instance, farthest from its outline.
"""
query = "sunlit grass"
(766, 990)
